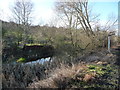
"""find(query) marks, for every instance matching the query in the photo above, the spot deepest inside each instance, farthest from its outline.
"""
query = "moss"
(33, 44)
(99, 69)
(21, 60)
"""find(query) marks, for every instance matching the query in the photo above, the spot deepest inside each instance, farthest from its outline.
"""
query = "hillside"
(79, 61)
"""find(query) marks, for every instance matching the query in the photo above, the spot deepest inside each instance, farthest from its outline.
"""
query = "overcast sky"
(44, 12)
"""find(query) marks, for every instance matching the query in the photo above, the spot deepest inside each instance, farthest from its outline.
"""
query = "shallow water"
(40, 61)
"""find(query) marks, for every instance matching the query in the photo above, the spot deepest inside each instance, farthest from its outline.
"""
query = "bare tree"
(109, 29)
(77, 14)
(111, 23)
(67, 16)
(22, 11)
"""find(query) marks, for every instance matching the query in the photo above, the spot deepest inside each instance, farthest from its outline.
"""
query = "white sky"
(43, 10)
(4, 9)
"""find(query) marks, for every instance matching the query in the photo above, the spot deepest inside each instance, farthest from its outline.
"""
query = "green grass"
(21, 60)
(99, 69)
(34, 44)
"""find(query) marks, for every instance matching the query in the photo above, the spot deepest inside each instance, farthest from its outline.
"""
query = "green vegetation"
(101, 77)
(21, 60)
(76, 45)
(99, 69)
(69, 51)
(78, 50)
(33, 44)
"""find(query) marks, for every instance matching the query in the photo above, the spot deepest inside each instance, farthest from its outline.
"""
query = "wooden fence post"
(109, 44)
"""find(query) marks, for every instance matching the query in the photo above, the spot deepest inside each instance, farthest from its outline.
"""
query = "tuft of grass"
(61, 77)
(20, 75)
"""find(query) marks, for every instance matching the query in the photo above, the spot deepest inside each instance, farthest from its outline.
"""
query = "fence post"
(109, 44)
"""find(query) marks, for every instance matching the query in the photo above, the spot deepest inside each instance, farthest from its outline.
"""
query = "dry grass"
(60, 77)
(19, 76)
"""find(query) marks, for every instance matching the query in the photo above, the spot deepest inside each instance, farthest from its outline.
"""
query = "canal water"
(39, 61)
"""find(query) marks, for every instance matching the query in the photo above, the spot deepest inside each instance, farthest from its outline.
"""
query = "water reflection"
(40, 61)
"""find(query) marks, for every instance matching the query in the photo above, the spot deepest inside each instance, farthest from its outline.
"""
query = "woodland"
(78, 54)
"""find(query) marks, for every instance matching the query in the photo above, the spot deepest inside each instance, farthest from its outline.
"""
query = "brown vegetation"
(59, 77)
